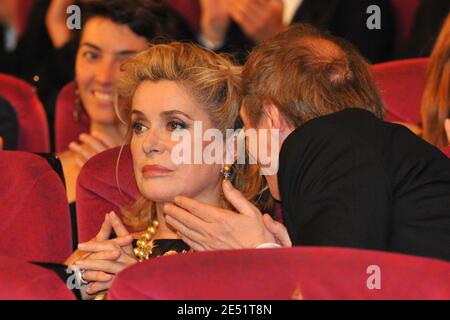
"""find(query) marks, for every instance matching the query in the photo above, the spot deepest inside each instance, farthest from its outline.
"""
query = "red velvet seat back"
(98, 192)
(66, 128)
(283, 274)
(402, 84)
(34, 215)
(33, 126)
(24, 281)
(446, 151)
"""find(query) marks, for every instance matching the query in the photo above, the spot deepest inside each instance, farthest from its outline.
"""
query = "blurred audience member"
(237, 25)
(9, 26)
(9, 127)
(428, 21)
(436, 98)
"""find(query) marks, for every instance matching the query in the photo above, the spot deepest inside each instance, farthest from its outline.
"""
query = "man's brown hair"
(306, 74)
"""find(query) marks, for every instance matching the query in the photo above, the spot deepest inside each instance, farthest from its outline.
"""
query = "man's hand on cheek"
(204, 227)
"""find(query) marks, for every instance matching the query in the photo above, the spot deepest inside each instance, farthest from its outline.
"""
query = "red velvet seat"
(66, 128)
(98, 193)
(402, 84)
(20, 280)
(35, 220)
(283, 274)
(446, 151)
(33, 126)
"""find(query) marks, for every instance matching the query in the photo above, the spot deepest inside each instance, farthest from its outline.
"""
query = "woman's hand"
(91, 144)
(106, 258)
(259, 19)
(102, 235)
(204, 227)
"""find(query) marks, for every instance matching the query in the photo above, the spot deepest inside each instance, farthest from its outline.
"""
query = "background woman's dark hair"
(155, 20)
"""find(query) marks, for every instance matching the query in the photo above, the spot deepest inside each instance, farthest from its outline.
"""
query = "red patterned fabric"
(98, 192)
(67, 129)
(33, 126)
(405, 14)
(35, 220)
(24, 281)
(401, 84)
(283, 274)
(189, 9)
(446, 151)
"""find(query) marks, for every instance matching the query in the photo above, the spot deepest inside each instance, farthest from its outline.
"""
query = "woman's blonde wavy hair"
(215, 82)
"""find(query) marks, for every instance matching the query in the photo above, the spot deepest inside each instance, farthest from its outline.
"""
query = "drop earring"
(227, 173)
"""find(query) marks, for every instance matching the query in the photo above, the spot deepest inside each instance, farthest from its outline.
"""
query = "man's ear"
(274, 118)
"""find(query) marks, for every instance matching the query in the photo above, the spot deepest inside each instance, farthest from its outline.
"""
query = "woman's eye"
(91, 56)
(138, 127)
(176, 125)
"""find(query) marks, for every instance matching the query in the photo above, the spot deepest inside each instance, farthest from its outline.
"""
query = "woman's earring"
(78, 108)
(227, 172)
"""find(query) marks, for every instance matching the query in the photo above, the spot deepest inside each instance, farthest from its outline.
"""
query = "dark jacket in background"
(9, 126)
(343, 18)
(351, 180)
(428, 22)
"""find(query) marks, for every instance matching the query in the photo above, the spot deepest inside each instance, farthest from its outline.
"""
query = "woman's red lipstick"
(149, 171)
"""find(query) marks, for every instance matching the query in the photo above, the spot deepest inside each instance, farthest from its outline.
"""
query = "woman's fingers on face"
(97, 276)
(192, 244)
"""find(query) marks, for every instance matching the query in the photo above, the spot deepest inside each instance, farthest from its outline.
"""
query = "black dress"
(351, 180)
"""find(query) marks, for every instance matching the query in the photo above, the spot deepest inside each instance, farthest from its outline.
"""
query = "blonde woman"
(166, 89)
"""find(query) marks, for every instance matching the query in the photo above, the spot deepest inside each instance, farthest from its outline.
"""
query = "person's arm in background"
(235, 26)
(56, 22)
(9, 127)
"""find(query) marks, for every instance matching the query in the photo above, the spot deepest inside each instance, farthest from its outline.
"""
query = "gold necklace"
(145, 244)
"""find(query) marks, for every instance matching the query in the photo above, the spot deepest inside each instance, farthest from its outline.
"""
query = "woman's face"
(104, 46)
(160, 109)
